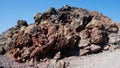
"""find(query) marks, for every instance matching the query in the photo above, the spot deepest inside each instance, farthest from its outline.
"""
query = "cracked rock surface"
(57, 34)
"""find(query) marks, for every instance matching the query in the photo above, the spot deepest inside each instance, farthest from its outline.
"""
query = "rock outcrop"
(57, 34)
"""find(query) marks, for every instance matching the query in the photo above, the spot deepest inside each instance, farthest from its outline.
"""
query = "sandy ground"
(106, 59)
(102, 60)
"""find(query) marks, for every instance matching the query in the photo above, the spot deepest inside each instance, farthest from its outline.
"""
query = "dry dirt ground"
(106, 59)
(102, 60)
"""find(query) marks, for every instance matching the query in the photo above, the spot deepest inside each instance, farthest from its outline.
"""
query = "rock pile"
(57, 34)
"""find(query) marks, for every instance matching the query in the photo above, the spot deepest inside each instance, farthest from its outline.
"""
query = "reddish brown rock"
(98, 36)
(68, 30)
(84, 42)
(85, 34)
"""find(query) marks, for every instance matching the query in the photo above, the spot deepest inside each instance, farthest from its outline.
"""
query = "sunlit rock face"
(55, 34)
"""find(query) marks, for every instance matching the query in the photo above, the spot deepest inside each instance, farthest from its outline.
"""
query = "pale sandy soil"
(106, 59)
(102, 60)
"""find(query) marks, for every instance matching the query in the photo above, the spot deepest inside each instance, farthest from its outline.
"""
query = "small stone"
(95, 48)
(57, 55)
(87, 48)
(84, 52)
(106, 47)
(31, 62)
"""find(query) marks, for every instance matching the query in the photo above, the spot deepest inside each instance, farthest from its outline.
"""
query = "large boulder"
(98, 36)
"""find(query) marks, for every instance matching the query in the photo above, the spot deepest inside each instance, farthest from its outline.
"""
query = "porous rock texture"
(55, 34)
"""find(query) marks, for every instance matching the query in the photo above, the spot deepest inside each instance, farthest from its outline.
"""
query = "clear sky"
(12, 10)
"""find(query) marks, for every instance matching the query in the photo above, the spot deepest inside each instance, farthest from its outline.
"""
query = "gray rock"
(84, 52)
(95, 48)
(114, 39)
(112, 28)
(84, 42)
(31, 29)
(106, 47)
(31, 62)
(87, 48)
(57, 55)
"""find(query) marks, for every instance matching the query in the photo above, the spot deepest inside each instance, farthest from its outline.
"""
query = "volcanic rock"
(55, 34)
(84, 42)
(84, 52)
(98, 36)
(84, 34)
(2, 51)
(21, 23)
(57, 56)
(112, 28)
(95, 48)
(106, 47)
(31, 29)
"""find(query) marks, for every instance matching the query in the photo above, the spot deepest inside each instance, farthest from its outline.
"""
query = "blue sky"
(12, 10)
